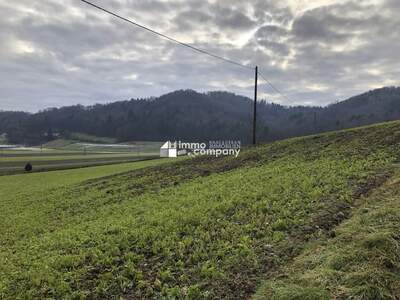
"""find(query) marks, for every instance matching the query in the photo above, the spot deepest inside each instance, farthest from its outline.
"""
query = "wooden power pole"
(255, 106)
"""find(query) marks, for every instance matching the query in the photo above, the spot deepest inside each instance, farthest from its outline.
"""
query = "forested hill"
(188, 115)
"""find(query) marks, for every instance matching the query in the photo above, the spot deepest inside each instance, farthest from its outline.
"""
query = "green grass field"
(281, 221)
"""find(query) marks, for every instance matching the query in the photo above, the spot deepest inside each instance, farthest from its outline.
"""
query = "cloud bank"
(57, 53)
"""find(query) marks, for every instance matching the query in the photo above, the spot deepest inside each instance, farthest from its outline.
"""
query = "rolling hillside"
(359, 259)
(191, 116)
(209, 228)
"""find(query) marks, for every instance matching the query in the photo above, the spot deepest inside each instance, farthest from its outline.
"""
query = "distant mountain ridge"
(192, 116)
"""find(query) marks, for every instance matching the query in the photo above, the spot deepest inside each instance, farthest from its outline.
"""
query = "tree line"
(192, 116)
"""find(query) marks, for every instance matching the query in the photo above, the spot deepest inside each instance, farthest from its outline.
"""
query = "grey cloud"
(339, 23)
(392, 4)
(279, 49)
(314, 27)
(189, 20)
(336, 46)
(272, 32)
(215, 17)
(269, 11)
(273, 38)
(232, 18)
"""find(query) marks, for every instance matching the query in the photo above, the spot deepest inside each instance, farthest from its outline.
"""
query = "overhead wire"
(273, 87)
(171, 39)
(198, 50)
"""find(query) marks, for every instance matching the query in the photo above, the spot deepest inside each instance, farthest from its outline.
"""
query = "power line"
(187, 45)
(201, 51)
(169, 38)
(273, 87)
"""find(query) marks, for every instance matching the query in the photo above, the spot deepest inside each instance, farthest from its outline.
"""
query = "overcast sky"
(55, 53)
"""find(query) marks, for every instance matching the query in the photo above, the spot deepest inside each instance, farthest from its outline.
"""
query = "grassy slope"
(361, 261)
(62, 143)
(199, 228)
(91, 138)
(22, 197)
(11, 186)
(58, 144)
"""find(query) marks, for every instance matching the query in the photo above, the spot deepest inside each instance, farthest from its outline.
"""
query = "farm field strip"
(4, 160)
(54, 153)
(72, 145)
(58, 147)
(61, 165)
(10, 168)
(12, 163)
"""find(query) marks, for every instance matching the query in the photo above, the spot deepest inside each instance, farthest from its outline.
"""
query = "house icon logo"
(169, 149)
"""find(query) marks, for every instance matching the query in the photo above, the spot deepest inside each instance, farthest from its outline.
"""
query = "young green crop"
(195, 229)
(360, 262)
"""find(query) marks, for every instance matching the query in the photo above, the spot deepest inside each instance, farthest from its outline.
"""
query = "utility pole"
(255, 106)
